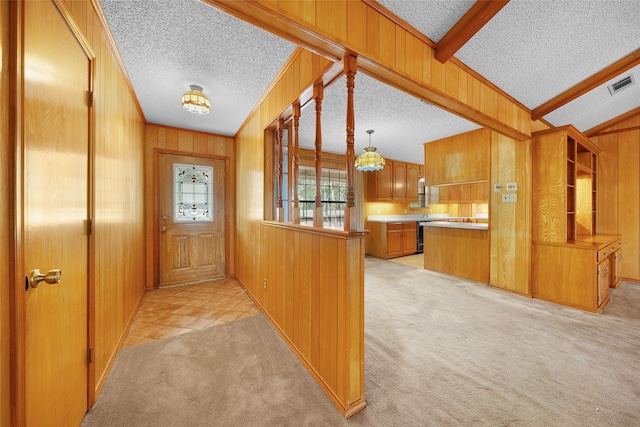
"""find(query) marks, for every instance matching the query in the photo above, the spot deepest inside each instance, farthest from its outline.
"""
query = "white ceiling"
(532, 49)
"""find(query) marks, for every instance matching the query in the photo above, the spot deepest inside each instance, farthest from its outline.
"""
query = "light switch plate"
(496, 188)
(509, 198)
(512, 186)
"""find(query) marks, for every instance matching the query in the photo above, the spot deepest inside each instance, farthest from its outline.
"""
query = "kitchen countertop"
(453, 224)
(420, 218)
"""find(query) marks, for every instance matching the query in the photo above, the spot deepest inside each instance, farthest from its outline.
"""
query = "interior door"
(192, 223)
(55, 212)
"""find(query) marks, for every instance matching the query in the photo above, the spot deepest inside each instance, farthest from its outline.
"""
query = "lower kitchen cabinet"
(391, 240)
(577, 273)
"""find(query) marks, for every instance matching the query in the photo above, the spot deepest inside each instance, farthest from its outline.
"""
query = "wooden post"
(296, 164)
(280, 130)
(318, 93)
(350, 66)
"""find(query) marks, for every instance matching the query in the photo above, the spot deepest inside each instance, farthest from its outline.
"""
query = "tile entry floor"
(176, 310)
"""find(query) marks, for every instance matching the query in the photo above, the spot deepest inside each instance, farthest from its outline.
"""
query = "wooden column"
(318, 93)
(350, 66)
(280, 131)
(296, 164)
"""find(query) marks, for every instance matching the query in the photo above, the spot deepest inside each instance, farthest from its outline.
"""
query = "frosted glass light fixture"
(370, 160)
(195, 101)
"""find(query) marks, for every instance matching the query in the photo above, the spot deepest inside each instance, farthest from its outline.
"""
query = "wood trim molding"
(229, 219)
(599, 130)
(471, 22)
(333, 232)
(585, 86)
(17, 341)
(617, 131)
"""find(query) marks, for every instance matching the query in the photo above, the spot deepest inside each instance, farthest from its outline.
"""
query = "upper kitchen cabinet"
(397, 182)
(458, 159)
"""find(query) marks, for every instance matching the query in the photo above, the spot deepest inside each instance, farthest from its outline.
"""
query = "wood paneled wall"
(292, 260)
(619, 190)
(191, 143)
(6, 203)
(313, 292)
(510, 223)
(390, 50)
(118, 232)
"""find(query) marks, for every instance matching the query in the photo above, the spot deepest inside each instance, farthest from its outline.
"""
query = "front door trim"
(156, 206)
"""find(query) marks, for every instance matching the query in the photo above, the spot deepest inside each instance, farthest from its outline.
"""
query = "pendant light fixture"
(370, 160)
(195, 101)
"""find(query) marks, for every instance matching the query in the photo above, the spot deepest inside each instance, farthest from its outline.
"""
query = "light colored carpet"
(439, 351)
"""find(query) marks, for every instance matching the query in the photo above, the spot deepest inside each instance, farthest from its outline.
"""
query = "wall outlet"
(496, 188)
(509, 198)
(512, 186)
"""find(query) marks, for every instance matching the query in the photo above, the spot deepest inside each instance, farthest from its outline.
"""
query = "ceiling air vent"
(621, 84)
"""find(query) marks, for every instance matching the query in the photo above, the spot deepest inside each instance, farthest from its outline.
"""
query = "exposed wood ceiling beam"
(585, 86)
(472, 21)
(601, 128)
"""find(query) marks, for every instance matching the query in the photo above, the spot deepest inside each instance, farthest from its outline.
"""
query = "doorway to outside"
(191, 219)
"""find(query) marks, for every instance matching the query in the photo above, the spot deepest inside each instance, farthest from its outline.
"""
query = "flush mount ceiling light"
(370, 160)
(195, 101)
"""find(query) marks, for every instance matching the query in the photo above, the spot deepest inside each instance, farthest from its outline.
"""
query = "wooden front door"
(191, 223)
(54, 218)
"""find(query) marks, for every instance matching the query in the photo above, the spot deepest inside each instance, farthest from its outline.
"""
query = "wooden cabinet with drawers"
(391, 240)
(577, 274)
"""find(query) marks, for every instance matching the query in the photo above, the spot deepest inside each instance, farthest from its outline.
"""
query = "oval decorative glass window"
(193, 192)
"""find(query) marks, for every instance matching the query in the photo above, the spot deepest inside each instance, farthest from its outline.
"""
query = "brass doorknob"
(52, 277)
(164, 229)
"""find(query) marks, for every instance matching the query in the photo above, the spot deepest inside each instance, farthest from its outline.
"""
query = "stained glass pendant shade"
(370, 160)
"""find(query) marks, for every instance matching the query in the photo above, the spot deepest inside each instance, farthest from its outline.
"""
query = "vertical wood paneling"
(303, 279)
(387, 40)
(357, 24)
(331, 16)
(607, 181)
(5, 226)
(414, 57)
(629, 201)
(373, 32)
(192, 143)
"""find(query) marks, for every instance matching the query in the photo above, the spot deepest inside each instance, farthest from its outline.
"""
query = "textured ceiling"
(401, 123)
(218, 54)
(532, 49)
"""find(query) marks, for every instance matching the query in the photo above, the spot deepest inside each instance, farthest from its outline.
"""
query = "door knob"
(164, 229)
(52, 277)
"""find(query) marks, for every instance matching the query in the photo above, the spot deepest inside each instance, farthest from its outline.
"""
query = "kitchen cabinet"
(480, 191)
(464, 193)
(458, 159)
(413, 176)
(383, 182)
(604, 278)
(396, 182)
(400, 181)
(391, 240)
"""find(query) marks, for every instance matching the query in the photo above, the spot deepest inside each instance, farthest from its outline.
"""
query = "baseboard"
(118, 347)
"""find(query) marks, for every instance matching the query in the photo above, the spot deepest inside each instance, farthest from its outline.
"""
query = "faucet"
(425, 215)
